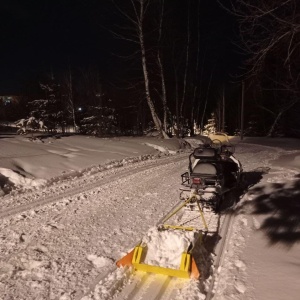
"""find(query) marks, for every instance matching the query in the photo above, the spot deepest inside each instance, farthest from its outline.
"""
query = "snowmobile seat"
(205, 168)
(205, 153)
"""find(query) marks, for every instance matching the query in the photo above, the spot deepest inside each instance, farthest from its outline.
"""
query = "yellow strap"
(172, 213)
(202, 216)
(178, 227)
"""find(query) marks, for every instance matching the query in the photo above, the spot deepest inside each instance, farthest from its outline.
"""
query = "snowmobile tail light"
(196, 180)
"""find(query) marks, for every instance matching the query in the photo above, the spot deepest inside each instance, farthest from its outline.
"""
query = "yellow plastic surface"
(183, 272)
(166, 226)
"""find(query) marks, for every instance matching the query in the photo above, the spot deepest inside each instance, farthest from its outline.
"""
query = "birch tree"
(161, 69)
(135, 17)
(69, 97)
(195, 91)
(186, 68)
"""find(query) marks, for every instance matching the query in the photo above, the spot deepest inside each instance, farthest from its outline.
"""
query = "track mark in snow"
(228, 283)
(149, 286)
(136, 287)
(240, 287)
(158, 287)
(82, 187)
(74, 227)
(220, 254)
(108, 287)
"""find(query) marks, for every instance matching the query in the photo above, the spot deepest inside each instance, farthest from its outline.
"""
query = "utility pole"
(242, 111)
(219, 116)
(223, 116)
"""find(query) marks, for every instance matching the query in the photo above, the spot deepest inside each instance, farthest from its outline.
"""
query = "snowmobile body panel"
(212, 173)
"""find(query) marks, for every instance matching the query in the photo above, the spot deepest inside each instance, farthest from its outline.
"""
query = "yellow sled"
(187, 268)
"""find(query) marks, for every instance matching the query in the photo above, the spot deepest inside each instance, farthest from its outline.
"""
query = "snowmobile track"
(83, 186)
(225, 233)
(150, 287)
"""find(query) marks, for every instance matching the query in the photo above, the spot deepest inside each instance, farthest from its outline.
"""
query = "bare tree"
(175, 68)
(135, 33)
(69, 98)
(186, 66)
(192, 118)
(206, 99)
(161, 70)
(270, 32)
(90, 87)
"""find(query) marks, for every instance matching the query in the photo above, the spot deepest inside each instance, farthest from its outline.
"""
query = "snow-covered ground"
(67, 248)
(26, 163)
(262, 260)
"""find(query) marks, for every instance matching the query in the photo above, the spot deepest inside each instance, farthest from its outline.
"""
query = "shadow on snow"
(280, 204)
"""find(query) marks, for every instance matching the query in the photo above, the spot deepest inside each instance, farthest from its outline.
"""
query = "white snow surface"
(67, 249)
(19, 180)
(165, 247)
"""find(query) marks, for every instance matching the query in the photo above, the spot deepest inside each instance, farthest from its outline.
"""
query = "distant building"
(9, 99)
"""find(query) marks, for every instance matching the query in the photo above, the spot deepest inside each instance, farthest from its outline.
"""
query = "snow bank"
(32, 163)
(160, 148)
(19, 180)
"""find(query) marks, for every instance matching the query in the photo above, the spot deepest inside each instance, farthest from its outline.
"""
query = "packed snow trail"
(151, 287)
(211, 284)
(57, 249)
(63, 249)
(138, 285)
(63, 190)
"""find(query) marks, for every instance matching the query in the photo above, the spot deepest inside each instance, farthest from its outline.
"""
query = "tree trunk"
(192, 131)
(186, 68)
(176, 128)
(192, 119)
(164, 92)
(156, 120)
(71, 102)
(206, 99)
(273, 127)
(200, 90)
(163, 83)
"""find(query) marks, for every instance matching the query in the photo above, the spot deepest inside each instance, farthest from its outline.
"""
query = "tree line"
(175, 72)
(270, 40)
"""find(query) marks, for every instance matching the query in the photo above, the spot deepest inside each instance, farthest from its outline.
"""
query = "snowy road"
(61, 242)
(64, 189)
(56, 250)
(150, 287)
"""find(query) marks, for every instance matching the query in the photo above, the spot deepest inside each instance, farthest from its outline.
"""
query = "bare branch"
(124, 14)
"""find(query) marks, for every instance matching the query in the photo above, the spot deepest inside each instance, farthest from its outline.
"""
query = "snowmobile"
(213, 172)
(173, 247)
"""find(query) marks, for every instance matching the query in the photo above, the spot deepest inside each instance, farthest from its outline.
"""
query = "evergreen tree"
(99, 121)
(45, 113)
(210, 127)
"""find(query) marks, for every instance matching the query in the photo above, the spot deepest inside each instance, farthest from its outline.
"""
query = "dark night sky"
(40, 36)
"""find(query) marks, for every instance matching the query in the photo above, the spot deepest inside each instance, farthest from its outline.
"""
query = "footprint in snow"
(240, 287)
